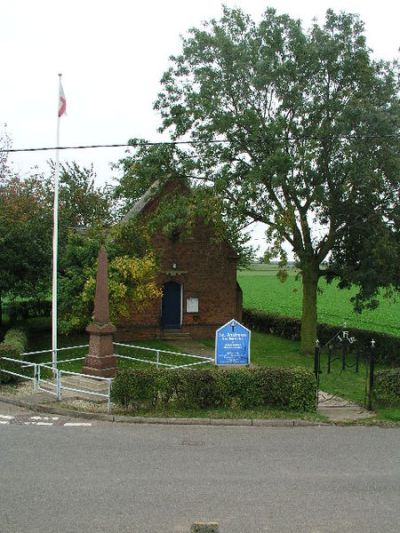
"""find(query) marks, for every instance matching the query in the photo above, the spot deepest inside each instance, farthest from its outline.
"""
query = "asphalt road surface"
(146, 478)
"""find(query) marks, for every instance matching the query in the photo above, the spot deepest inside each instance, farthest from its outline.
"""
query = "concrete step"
(172, 334)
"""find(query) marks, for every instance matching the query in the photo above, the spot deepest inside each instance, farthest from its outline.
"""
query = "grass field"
(264, 291)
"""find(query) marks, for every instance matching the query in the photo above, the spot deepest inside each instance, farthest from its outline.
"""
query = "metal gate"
(342, 353)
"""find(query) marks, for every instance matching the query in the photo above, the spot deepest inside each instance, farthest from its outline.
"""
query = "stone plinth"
(101, 360)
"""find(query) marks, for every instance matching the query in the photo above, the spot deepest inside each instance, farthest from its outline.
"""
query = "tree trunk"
(309, 313)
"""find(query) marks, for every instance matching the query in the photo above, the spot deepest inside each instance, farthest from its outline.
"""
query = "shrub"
(387, 347)
(241, 387)
(202, 389)
(13, 346)
(139, 388)
(387, 387)
(28, 309)
(292, 388)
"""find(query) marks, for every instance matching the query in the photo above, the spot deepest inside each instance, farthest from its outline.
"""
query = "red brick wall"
(206, 270)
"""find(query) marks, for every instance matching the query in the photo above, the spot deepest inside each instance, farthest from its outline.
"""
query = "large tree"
(308, 124)
(25, 238)
(26, 224)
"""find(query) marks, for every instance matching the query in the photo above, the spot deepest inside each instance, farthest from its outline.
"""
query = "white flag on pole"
(62, 105)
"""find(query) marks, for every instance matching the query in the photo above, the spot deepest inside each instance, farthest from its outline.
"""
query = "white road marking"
(45, 417)
(42, 421)
(77, 424)
(38, 423)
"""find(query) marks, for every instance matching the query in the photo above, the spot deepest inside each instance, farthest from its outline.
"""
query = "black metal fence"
(344, 349)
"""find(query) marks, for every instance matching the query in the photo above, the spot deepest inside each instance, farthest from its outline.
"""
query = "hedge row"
(13, 345)
(291, 388)
(28, 309)
(387, 387)
(387, 346)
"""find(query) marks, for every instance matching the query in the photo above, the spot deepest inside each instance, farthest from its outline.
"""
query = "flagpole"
(55, 241)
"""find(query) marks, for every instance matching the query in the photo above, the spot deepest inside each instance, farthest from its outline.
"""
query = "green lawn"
(264, 291)
(40, 339)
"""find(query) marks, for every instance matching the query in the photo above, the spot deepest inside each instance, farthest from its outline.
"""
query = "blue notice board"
(232, 344)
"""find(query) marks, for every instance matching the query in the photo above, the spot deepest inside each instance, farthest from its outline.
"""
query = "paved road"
(143, 478)
(14, 415)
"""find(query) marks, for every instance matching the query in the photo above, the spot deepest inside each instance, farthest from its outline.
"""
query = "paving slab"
(192, 347)
(337, 409)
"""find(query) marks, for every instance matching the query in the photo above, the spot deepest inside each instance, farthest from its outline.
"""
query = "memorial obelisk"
(101, 360)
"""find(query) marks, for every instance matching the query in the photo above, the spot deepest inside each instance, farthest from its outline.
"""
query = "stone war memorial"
(101, 360)
(197, 275)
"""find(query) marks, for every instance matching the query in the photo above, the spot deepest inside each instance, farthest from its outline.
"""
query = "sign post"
(232, 344)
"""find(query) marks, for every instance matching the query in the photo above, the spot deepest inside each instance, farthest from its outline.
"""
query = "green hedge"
(27, 309)
(291, 388)
(13, 345)
(387, 387)
(387, 347)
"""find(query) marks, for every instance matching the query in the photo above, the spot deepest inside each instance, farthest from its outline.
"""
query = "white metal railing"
(156, 351)
(56, 386)
(24, 364)
(42, 381)
(107, 381)
(58, 350)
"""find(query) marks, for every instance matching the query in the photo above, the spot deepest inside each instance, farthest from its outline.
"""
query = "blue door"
(171, 305)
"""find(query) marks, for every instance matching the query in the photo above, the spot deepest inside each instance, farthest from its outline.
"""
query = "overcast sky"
(112, 55)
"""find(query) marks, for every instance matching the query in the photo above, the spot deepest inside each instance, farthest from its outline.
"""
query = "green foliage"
(387, 387)
(310, 127)
(138, 387)
(78, 263)
(146, 167)
(132, 271)
(81, 202)
(294, 387)
(26, 224)
(202, 388)
(387, 346)
(291, 388)
(28, 309)
(13, 345)
(240, 387)
(25, 237)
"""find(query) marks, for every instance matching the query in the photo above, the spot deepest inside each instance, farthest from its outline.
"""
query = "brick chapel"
(197, 276)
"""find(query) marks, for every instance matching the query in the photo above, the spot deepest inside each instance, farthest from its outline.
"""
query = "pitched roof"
(155, 189)
(141, 203)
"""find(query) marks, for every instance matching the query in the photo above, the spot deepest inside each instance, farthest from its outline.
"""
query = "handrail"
(147, 361)
(164, 351)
